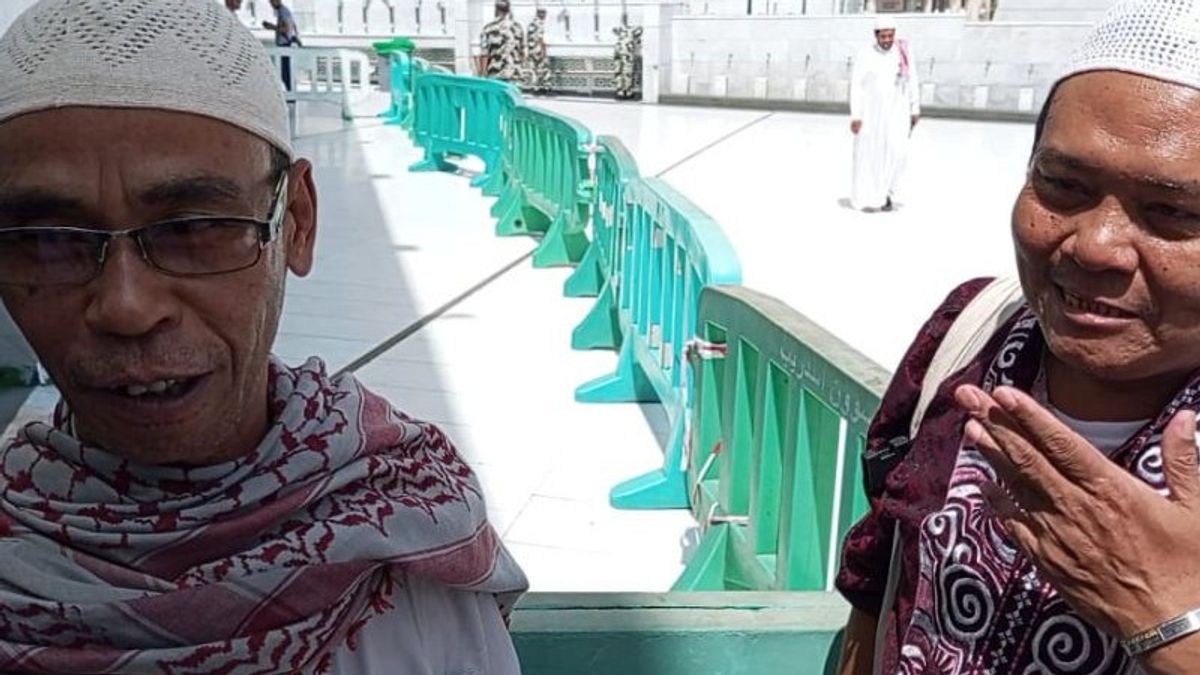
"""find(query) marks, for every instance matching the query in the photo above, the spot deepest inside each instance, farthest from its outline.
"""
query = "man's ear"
(300, 232)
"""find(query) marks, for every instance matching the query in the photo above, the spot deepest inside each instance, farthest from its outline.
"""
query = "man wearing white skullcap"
(884, 108)
(1033, 470)
(196, 505)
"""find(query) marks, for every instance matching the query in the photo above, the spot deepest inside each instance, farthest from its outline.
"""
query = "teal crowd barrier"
(547, 188)
(596, 274)
(460, 115)
(18, 363)
(669, 251)
(679, 633)
(768, 413)
(777, 429)
(401, 78)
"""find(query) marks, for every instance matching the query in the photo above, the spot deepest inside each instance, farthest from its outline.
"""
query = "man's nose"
(129, 298)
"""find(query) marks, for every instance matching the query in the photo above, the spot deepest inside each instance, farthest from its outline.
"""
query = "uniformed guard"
(537, 60)
(628, 57)
(502, 44)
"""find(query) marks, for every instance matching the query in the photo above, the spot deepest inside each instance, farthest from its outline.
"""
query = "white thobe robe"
(884, 100)
(431, 630)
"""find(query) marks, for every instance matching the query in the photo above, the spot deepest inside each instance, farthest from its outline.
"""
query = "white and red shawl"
(265, 564)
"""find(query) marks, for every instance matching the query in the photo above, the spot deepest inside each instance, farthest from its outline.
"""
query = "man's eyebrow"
(1189, 187)
(192, 190)
(1062, 159)
(31, 203)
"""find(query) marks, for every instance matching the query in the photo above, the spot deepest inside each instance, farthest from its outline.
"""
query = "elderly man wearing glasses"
(196, 505)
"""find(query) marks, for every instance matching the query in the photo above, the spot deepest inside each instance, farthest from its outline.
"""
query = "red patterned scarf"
(265, 564)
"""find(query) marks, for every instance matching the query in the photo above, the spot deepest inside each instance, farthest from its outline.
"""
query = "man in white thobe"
(884, 107)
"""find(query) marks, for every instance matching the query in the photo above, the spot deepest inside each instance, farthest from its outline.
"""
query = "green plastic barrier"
(16, 377)
(396, 44)
(615, 168)
(776, 433)
(669, 251)
(402, 76)
(678, 633)
(460, 115)
(419, 67)
(18, 363)
(546, 184)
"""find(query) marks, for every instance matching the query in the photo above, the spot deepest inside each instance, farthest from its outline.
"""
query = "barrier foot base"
(506, 201)
(628, 384)
(665, 488)
(560, 247)
(706, 570)
(509, 222)
(654, 490)
(586, 281)
(600, 329)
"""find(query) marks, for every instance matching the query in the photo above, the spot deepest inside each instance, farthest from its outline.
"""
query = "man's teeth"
(158, 387)
(1076, 302)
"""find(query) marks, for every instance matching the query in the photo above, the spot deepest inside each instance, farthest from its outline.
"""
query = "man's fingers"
(1180, 464)
(1068, 452)
(1007, 446)
(1026, 482)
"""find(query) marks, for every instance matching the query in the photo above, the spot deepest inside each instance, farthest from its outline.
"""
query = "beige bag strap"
(968, 335)
(970, 332)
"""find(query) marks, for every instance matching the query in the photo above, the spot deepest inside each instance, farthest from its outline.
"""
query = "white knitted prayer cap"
(189, 56)
(1154, 38)
(885, 22)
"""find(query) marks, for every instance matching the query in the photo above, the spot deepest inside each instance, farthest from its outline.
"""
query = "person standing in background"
(502, 43)
(537, 59)
(627, 54)
(286, 35)
(884, 108)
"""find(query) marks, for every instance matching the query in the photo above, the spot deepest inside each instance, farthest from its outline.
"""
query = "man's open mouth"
(164, 390)
(1080, 304)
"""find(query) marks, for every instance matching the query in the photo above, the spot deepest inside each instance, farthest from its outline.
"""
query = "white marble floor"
(486, 352)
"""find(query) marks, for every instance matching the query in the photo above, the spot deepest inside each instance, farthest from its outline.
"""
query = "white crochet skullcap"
(1154, 38)
(885, 22)
(189, 56)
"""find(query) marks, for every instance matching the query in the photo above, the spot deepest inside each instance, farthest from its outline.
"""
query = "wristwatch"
(1163, 634)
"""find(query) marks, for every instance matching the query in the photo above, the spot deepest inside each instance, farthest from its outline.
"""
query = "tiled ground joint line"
(415, 327)
(714, 144)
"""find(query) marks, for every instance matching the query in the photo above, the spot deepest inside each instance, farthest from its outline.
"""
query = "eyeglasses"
(195, 246)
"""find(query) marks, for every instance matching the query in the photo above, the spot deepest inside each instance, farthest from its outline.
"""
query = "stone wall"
(1059, 10)
(1005, 67)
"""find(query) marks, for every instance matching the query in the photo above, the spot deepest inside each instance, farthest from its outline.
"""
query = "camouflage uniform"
(503, 44)
(537, 61)
(628, 57)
